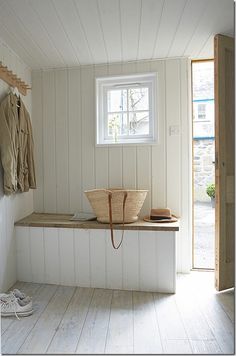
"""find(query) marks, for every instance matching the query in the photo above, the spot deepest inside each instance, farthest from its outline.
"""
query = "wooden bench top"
(63, 221)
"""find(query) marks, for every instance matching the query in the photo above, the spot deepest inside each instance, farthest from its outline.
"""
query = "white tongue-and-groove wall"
(68, 162)
(16, 206)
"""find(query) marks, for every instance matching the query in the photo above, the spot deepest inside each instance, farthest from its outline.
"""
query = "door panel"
(225, 161)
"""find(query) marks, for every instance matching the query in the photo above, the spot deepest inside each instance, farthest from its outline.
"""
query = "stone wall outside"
(203, 167)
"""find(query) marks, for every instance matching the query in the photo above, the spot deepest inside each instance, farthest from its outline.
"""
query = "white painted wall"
(14, 207)
(68, 162)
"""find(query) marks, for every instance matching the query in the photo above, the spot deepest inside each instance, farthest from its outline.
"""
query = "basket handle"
(110, 219)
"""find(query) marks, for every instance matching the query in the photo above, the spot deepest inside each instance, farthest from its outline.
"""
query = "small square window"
(126, 109)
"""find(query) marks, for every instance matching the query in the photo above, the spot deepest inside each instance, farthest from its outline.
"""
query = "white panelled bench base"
(85, 257)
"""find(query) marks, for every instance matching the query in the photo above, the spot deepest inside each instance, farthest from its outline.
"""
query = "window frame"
(103, 85)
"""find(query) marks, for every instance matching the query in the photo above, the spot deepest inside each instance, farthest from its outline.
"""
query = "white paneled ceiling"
(59, 33)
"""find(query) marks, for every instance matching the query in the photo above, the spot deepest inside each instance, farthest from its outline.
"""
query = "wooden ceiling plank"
(89, 15)
(67, 12)
(151, 16)
(52, 25)
(193, 12)
(172, 12)
(217, 12)
(37, 31)
(130, 21)
(9, 15)
(18, 46)
(109, 10)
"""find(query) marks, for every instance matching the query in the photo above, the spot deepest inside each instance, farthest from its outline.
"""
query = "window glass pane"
(139, 123)
(138, 99)
(117, 125)
(117, 100)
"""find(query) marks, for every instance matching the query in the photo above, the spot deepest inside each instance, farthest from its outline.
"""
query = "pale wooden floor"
(82, 320)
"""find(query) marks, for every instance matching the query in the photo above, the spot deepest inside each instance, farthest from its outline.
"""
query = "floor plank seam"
(214, 338)
(57, 287)
(108, 322)
(182, 322)
(77, 345)
(58, 326)
(158, 326)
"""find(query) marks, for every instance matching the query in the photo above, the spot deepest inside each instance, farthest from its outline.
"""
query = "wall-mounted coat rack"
(11, 79)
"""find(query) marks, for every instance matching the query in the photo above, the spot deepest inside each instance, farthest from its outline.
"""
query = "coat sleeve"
(30, 156)
(7, 154)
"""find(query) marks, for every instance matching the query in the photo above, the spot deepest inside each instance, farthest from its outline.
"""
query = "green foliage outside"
(211, 190)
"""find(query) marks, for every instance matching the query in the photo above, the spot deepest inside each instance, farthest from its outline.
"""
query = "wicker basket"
(98, 199)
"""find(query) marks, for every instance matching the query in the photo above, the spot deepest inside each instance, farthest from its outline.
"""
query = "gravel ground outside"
(204, 235)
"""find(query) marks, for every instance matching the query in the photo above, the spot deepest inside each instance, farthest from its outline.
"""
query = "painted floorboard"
(93, 336)
(41, 335)
(176, 347)
(168, 316)
(219, 322)
(68, 332)
(205, 347)
(194, 321)
(147, 338)
(97, 321)
(120, 330)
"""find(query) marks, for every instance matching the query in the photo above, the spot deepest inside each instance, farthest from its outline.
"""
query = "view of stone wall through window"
(203, 164)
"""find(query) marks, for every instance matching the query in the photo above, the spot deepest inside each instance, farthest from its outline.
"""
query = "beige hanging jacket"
(16, 146)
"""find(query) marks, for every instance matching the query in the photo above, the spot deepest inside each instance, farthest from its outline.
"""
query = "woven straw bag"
(99, 200)
(116, 206)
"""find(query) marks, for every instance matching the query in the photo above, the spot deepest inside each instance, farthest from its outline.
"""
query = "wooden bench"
(52, 249)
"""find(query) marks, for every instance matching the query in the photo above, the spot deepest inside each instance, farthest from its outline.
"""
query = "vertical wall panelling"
(131, 261)
(148, 261)
(173, 139)
(129, 167)
(129, 153)
(115, 154)
(88, 132)
(38, 140)
(144, 175)
(162, 168)
(19, 205)
(82, 257)
(159, 162)
(74, 139)
(173, 121)
(37, 253)
(114, 262)
(164, 242)
(52, 256)
(24, 266)
(49, 142)
(98, 258)
(101, 153)
(66, 253)
(115, 167)
(186, 154)
(62, 141)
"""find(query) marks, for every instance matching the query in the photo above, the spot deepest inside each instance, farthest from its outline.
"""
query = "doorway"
(203, 143)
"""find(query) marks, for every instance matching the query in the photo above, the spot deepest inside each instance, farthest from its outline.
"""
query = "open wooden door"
(224, 161)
